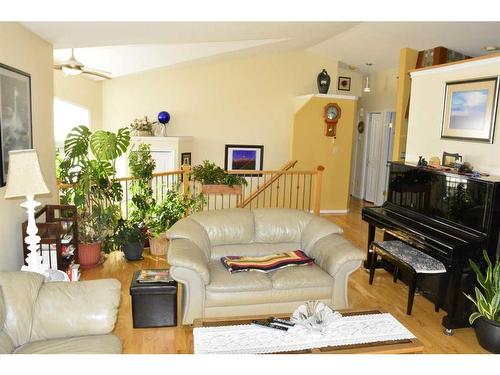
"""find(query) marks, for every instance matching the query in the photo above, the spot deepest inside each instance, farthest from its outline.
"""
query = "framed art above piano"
(448, 216)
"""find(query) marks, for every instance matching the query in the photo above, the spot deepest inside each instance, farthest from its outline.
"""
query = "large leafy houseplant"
(89, 166)
(486, 319)
(130, 237)
(141, 166)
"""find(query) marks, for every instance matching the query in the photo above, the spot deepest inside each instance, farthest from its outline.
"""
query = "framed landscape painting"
(244, 157)
(15, 115)
(470, 110)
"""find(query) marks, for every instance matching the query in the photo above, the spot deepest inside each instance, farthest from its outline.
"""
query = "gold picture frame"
(470, 109)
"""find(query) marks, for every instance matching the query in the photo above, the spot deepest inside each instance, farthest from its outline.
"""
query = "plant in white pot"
(166, 213)
(486, 320)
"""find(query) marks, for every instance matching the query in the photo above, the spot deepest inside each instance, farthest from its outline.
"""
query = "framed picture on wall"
(469, 111)
(244, 157)
(186, 158)
(15, 115)
(344, 84)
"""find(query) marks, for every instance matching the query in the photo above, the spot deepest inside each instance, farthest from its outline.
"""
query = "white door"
(374, 152)
(387, 142)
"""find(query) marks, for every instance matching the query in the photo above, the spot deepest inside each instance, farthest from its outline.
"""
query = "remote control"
(267, 324)
(282, 321)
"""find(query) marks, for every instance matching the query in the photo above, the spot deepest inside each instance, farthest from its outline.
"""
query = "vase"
(323, 81)
(160, 130)
(158, 245)
(89, 254)
(142, 133)
(133, 250)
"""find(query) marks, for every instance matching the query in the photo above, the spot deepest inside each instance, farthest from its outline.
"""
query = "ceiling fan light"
(71, 71)
(367, 86)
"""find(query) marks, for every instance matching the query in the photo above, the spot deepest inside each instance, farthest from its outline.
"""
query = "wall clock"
(331, 115)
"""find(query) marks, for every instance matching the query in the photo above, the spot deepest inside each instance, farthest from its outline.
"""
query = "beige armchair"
(57, 317)
(199, 241)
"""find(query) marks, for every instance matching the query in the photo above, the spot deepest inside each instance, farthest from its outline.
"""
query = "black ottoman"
(153, 304)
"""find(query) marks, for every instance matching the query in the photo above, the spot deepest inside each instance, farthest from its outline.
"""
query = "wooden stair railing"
(290, 164)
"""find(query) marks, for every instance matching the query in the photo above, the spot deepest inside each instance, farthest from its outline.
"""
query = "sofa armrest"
(184, 253)
(333, 251)
(188, 229)
(315, 230)
(82, 308)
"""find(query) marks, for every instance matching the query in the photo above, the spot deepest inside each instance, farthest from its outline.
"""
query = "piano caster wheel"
(448, 332)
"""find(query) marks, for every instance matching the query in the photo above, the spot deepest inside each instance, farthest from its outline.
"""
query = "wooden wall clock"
(331, 115)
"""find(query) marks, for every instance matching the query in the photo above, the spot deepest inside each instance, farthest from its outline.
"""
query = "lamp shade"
(25, 176)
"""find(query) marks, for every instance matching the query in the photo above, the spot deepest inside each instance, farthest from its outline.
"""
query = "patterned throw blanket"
(266, 263)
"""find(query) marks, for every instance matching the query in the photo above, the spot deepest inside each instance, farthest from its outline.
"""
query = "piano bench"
(403, 256)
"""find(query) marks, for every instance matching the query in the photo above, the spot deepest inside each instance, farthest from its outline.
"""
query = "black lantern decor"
(323, 82)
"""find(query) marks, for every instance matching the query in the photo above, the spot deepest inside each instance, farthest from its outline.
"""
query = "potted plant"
(215, 181)
(130, 237)
(141, 166)
(89, 169)
(165, 214)
(486, 320)
(142, 127)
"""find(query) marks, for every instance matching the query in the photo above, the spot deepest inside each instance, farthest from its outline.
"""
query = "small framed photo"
(15, 115)
(344, 84)
(449, 160)
(469, 110)
(186, 158)
(244, 157)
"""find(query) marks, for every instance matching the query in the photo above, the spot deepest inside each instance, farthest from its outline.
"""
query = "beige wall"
(22, 49)
(83, 91)
(247, 100)
(312, 148)
(426, 106)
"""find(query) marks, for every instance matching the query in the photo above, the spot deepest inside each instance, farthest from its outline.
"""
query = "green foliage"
(167, 213)
(128, 232)
(141, 165)
(487, 300)
(89, 164)
(210, 174)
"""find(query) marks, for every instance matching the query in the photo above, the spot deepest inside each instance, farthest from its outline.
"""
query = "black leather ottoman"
(153, 304)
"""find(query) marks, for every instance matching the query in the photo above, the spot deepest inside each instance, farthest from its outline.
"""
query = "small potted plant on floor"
(486, 320)
(165, 214)
(215, 181)
(130, 237)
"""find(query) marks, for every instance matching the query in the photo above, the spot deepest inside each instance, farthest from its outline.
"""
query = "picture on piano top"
(452, 197)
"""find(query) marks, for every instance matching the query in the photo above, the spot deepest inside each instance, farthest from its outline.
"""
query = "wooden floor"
(384, 294)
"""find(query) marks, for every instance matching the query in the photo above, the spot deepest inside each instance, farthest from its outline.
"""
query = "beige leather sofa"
(57, 317)
(199, 241)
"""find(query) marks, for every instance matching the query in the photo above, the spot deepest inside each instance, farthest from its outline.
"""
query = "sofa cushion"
(252, 249)
(228, 226)
(300, 277)
(280, 224)
(267, 263)
(97, 344)
(6, 345)
(223, 281)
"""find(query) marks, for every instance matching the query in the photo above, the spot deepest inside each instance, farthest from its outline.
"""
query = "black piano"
(449, 216)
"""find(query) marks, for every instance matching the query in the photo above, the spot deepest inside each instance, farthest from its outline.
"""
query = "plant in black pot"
(486, 320)
(130, 237)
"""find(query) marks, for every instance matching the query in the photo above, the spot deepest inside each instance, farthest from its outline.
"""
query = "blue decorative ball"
(163, 117)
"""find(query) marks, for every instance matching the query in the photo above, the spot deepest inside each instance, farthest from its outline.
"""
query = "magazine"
(154, 276)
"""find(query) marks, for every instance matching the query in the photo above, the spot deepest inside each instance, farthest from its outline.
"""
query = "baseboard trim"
(332, 212)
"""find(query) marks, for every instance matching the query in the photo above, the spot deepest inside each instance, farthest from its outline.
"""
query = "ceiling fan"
(74, 67)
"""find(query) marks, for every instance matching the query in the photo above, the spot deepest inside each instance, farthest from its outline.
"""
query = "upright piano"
(451, 217)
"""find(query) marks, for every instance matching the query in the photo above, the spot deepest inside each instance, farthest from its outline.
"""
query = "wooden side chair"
(404, 257)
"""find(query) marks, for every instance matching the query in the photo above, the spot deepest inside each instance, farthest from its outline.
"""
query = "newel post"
(317, 190)
(186, 170)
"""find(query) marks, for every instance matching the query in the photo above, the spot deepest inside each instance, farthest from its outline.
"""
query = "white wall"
(22, 49)
(426, 106)
(243, 100)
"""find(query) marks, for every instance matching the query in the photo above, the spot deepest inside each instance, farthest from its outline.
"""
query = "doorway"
(379, 143)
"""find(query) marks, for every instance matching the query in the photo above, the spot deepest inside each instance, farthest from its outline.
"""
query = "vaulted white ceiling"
(129, 47)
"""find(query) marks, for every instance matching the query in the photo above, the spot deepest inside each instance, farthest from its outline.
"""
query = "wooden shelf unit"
(54, 222)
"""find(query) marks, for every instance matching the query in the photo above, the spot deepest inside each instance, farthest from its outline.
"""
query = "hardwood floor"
(384, 294)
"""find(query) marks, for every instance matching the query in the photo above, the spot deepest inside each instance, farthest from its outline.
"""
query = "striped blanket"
(266, 263)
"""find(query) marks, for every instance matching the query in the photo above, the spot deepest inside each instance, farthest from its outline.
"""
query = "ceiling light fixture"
(367, 83)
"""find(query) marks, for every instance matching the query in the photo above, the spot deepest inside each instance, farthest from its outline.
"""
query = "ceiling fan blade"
(95, 73)
(58, 66)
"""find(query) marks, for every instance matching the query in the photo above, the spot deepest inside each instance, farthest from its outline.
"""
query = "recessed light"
(491, 48)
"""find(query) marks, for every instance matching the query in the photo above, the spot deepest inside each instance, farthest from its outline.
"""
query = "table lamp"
(25, 179)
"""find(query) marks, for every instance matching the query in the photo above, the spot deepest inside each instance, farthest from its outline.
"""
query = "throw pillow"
(266, 263)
